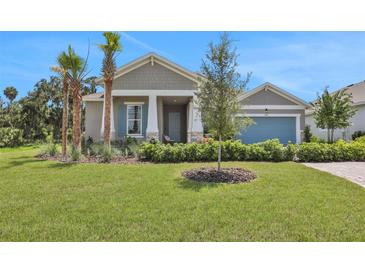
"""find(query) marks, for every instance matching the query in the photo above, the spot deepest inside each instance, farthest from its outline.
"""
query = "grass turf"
(50, 201)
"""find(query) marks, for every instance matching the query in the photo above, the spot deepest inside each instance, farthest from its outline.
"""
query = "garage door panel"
(283, 128)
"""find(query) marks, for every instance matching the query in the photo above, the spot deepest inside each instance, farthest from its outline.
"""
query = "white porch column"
(102, 121)
(160, 117)
(112, 126)
(197, 126)
(152, 119)
(190, 120)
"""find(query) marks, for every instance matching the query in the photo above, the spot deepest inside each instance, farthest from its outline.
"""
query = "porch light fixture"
(266, 111)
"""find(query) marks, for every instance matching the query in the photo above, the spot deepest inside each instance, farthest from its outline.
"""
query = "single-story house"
(154, 97)
(357, 122)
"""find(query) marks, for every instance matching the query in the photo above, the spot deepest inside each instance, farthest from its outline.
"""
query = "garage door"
(265, 128)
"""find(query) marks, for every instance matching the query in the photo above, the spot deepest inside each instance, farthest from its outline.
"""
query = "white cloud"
(141, 44)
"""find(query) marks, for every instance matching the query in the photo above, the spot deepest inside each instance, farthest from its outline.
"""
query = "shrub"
(51, 149)
(83, 144)
(75, 154)
(360, 139)
(103, 152)
(339, 151)
(106, 154)
(315, 139)
(290, 152)
(11, 137)
(358, 134)
(307, 134)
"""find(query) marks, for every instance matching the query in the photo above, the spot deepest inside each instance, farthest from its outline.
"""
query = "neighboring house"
(154, 97)
(357, 122)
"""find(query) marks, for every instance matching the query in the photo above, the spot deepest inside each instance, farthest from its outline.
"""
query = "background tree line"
(39, 113)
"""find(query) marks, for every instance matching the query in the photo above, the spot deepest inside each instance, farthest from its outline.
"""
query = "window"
(134, 119)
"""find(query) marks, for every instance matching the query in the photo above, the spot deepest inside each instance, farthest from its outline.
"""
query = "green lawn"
(49, 201)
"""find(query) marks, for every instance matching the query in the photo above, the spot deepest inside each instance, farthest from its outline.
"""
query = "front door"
(175, 126)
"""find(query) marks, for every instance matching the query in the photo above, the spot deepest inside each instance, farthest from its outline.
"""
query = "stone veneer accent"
(152, 135)
(196, 136)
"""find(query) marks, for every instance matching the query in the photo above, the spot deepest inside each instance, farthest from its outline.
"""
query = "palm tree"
(63, 68)
(110, 48)
(10, 93)
(76, 75)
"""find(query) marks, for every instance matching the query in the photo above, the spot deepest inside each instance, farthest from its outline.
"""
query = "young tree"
(219, 90)
(63, 68)
(333, 111)
(307, 134)
(110, 48)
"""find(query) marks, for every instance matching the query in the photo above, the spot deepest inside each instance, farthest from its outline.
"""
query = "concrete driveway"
(353, 171)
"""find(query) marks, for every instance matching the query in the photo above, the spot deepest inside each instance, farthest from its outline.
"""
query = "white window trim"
(134, 103)
(140, 104)
(297, 121)
(148, 92)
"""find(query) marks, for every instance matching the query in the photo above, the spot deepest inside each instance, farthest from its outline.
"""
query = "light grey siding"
(93, 116)
(266, 98)
(155, 77)
(279, 111)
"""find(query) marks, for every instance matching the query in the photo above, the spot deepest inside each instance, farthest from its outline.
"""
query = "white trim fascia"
(268, 115)
(92, 99)
(359, 103)
(145, 92)
(272, 107)
(297, 121)
(137, 136)
(275, 89)
(134, 103)
(153, 58)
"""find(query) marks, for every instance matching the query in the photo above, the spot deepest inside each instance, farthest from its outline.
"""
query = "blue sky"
(301, 62)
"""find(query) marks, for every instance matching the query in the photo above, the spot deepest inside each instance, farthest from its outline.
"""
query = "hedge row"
(271, 150)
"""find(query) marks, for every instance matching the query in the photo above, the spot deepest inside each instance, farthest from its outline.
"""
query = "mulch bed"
(92, 159)
(232, 175)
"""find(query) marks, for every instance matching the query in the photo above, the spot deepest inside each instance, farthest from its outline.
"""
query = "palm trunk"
(332, 131)
(64, 118)
(108, 102)
(328, 136)
(219, 152)
(76, 119)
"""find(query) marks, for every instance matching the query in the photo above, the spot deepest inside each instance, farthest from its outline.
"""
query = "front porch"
(155, 117)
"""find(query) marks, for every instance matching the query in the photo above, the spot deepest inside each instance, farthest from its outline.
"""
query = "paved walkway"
(353, 171)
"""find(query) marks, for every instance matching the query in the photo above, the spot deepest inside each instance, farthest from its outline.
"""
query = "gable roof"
(275, 89)
(357, 97)
(356, 100)
(153, 58)
(94, 97)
